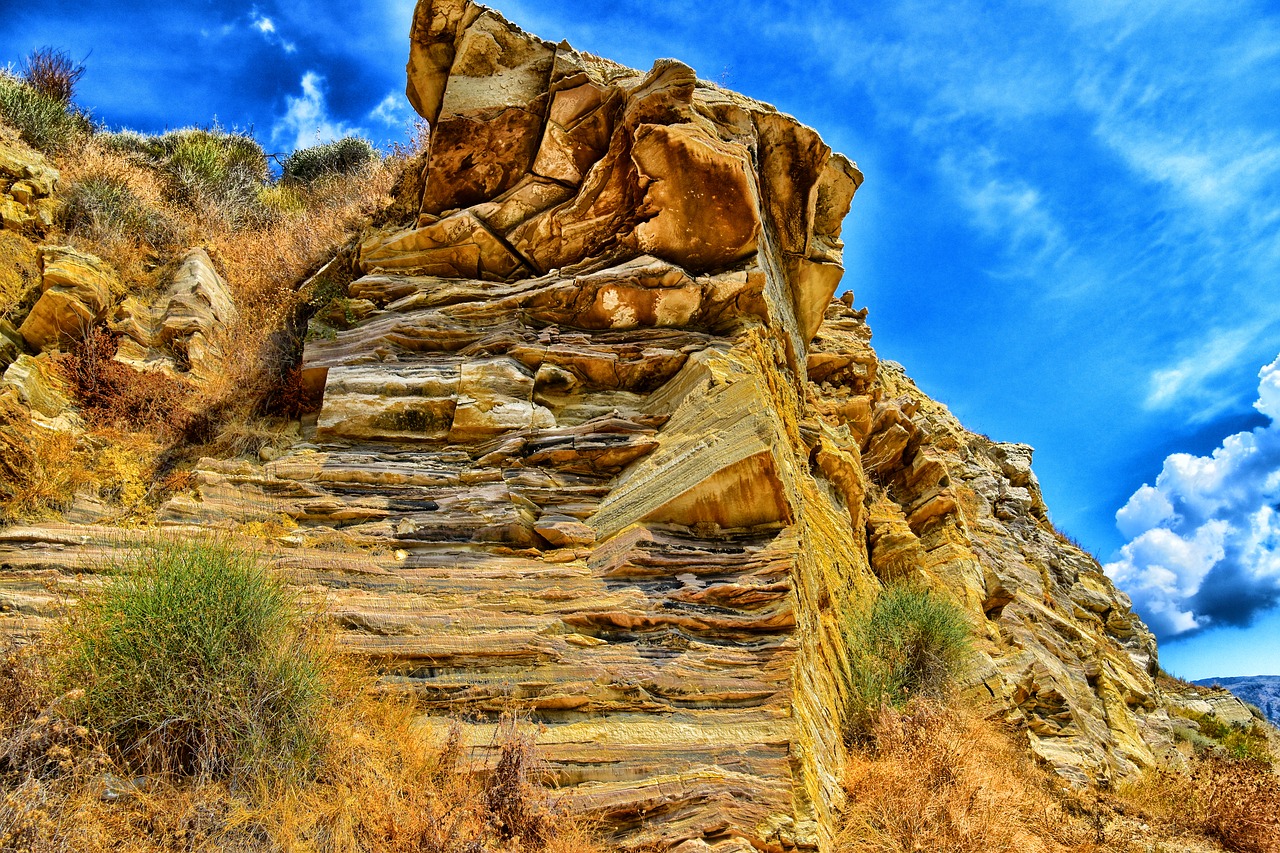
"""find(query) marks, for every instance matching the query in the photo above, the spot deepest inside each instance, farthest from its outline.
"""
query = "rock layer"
(598, 448)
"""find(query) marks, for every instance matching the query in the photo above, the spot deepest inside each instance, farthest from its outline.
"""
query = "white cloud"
(1005, 206)
(1204, 543)
(1189, 382)
(306, 120)
(393, 110)
(267, 27)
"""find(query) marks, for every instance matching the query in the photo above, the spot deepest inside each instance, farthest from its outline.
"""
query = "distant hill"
(1261, 690)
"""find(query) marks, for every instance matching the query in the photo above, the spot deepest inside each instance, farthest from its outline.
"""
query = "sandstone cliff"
(595, 445)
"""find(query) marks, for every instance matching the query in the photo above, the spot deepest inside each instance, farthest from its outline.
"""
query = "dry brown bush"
(52, 72)
(112, 394)
(934, 778)
(1234, 802)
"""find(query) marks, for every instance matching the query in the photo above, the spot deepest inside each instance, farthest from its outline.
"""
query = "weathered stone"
(77, 291)
(19, 276)
(182, 330)
(26, 181)
(41, 388)
(599, 447)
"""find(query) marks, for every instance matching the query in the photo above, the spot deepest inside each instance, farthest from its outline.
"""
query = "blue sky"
(1069, 232)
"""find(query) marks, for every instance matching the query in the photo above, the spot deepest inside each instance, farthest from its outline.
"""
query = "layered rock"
(595, 446)
(77, 290)
(27, 183)
(181, 330)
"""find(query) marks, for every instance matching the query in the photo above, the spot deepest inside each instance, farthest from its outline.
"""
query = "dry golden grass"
(40, 469)
(1234, 802)
(118, 209)
(937, 778)
(934, 778)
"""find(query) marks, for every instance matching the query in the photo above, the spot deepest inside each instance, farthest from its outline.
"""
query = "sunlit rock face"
(595, 446)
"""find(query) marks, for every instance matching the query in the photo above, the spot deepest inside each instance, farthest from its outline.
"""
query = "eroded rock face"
(77, 290)
(181, 331)
(598, 447)
(27, 182)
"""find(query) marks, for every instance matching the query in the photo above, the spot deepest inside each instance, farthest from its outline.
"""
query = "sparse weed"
(52, 72)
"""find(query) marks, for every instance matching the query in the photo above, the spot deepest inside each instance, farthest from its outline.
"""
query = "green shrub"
(211, 170)
(213, 167)
(193, 660)
(1210, 734)
(45, 123)
(102, 207)
(340, 157)
(909, 643)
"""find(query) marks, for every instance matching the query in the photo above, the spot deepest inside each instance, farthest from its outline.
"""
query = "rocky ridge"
(595, 445)
(1262, 691)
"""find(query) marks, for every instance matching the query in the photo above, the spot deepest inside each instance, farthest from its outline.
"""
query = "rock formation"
(596, 446)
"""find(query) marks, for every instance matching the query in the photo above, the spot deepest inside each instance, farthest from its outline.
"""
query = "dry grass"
(117, 208)
(1234, 802)
(385, 787)
(40, 469)
(934, 778)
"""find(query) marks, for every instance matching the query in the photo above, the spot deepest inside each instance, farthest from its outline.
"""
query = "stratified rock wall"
(595, 446)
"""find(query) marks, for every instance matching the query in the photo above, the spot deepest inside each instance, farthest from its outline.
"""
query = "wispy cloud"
(1191, 383)
(393, 111)
(1204, 541)
(306, 120)
(267, 27)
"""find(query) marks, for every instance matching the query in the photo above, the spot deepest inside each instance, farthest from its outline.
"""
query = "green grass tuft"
(46, 123)
(193, 660)
(104, 208)
(909, 643)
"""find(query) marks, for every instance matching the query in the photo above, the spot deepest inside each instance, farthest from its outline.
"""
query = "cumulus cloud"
(1204, 541)
(306, 120)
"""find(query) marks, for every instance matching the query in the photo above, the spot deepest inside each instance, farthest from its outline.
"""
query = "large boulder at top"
(546, 160)
(77, 290)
